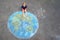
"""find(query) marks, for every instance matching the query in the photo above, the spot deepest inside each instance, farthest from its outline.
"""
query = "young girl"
(24, 8)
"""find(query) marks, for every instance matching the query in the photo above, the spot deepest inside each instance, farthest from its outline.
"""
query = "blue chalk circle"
(23, 27)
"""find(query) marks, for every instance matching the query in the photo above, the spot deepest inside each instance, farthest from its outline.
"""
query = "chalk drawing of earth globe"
(23, 27)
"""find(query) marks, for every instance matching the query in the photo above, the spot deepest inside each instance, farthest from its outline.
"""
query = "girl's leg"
(25, 10)
(22, 12)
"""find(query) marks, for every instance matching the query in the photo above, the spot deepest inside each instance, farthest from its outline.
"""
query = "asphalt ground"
(47, 12)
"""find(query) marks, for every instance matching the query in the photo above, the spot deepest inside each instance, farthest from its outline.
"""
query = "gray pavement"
(47, 12)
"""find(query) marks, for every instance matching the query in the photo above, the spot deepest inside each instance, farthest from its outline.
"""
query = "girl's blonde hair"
(24, 2)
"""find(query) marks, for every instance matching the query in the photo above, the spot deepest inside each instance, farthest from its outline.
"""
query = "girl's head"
(24, 4)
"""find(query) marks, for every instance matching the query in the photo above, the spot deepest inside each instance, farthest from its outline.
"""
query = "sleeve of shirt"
(26, 6)
(21, 6)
